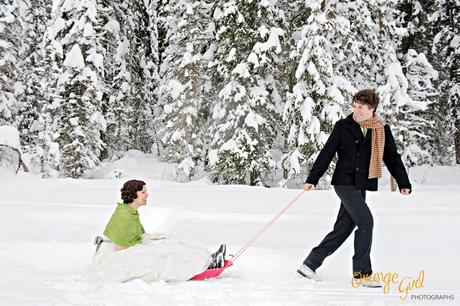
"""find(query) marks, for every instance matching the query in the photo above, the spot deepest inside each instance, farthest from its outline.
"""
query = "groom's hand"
(308, 187)
(405, 191)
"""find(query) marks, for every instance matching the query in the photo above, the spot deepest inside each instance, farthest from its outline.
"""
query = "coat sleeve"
(325, 156)
(393, 161)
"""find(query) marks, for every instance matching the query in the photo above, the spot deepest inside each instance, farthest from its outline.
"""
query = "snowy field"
(48, 228)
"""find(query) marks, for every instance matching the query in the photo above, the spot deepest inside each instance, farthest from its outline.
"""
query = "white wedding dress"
(153, 260)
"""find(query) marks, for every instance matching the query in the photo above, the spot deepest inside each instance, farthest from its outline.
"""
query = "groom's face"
(362, 111)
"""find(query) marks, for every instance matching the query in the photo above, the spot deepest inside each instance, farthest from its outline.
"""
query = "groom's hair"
(130, 189)
(367, 97)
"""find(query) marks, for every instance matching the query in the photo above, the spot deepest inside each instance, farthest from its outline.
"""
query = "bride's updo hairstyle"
(130, 189)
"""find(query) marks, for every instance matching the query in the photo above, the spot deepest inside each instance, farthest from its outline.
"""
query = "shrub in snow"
(10, 153)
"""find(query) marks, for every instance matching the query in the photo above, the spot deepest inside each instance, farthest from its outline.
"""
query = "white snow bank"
(437, 175)
(426, 175)
(142, 165)
(134, 164)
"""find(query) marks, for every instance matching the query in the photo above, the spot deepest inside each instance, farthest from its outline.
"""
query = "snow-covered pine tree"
(43, 149)
(246, 109)
(446, 48)
(162, 12)
(415, 18)
(396, 106)
(183, 92)
(10, 30)
(420, 75)
(33, 119)
(152, 71)
(142, 61)
(318, 98)
(79, 88)
(295, 16)
(115, 100)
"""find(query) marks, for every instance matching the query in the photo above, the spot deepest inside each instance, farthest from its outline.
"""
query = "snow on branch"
(9, 139)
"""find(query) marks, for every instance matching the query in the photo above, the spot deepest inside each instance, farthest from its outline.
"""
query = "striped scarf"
(377, 144)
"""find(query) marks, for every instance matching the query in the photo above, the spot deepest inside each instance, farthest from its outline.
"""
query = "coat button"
(356, 141)
(357, 169)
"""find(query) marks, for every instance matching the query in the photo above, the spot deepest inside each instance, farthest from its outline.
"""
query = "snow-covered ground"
(47, 228)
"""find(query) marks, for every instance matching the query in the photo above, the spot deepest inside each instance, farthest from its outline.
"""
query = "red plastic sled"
(211, 273)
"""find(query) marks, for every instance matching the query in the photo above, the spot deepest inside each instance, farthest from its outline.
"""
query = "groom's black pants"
(353, 212)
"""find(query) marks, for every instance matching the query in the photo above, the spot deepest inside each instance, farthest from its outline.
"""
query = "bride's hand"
(158, 236)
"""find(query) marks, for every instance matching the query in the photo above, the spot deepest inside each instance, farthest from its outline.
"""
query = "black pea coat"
(354, 154)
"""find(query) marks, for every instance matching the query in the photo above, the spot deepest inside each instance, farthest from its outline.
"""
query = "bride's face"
(142, 196)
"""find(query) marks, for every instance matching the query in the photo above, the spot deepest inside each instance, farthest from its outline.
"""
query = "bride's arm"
(119, 247)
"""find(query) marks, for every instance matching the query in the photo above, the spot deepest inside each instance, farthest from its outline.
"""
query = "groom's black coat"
(354, 154)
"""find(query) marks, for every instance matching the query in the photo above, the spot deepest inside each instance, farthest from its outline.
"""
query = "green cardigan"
(124, 227)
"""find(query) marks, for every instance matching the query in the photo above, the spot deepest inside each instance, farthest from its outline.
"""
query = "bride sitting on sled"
(130, 253)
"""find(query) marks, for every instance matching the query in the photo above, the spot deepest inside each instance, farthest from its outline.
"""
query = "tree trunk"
(254, 177)
(457, 145)
(285, 150)
(394, 186)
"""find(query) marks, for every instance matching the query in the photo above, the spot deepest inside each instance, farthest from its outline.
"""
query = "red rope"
(261, 231)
